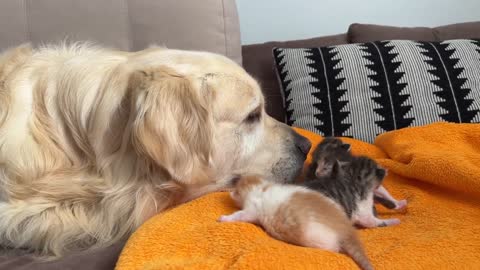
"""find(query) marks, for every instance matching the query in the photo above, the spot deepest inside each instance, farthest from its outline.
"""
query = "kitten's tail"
(352, 246)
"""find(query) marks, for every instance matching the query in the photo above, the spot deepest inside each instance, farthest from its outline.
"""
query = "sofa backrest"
(258, 61)
(210, 25)
(358, 33)
(258, 58)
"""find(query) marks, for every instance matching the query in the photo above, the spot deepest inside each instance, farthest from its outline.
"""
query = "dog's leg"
(44, 227)
(61, 212)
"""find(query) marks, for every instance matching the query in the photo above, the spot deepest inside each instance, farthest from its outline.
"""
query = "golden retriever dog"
(94, 141)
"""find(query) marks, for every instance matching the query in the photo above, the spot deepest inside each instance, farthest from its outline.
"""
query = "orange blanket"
(436, 167)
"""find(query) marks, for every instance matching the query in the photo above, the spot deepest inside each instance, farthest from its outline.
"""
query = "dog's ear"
(13, 57)
(171, 124)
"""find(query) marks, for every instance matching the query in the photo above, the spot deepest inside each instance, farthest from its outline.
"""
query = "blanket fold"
(443, 154)
(435, 167)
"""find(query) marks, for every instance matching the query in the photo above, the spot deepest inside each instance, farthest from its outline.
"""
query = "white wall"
(268, 20)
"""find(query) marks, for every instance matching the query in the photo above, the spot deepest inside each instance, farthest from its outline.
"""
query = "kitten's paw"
(224, 218)
(389, 222)
(366, 221)
(401, 205)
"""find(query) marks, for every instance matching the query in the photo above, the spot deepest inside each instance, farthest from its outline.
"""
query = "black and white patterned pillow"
(362, 90)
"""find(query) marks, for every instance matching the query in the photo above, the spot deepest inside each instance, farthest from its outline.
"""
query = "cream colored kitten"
(298, 216)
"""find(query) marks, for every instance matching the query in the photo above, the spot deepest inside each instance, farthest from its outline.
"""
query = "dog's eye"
(253, 117)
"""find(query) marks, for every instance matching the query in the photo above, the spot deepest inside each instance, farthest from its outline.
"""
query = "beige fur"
(95, 141)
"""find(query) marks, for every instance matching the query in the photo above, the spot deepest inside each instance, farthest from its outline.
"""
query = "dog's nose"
(302, 143)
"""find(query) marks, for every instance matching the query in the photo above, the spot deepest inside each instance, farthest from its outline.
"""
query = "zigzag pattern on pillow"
(362, 90)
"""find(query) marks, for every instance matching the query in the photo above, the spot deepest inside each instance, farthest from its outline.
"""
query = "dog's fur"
(95, 141)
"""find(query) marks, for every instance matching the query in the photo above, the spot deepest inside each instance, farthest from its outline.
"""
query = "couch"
(210, 25)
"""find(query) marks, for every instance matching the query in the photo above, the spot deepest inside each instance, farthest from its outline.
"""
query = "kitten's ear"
(337, 167)
(380, 173)
(347, 147)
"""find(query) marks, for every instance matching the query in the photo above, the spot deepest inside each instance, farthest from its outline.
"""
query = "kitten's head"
(327, 153)
(243, 186)
(329, 146)
(364, 172)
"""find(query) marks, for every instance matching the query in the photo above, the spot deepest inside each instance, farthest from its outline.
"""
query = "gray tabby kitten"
(331, 149)
(351, 181)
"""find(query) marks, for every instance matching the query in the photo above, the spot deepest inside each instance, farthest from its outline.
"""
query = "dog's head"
(199, 115)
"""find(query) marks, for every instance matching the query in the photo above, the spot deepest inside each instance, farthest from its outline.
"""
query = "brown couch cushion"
(358, 33)
(258, 61)
(99, 259)
(457, 31)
